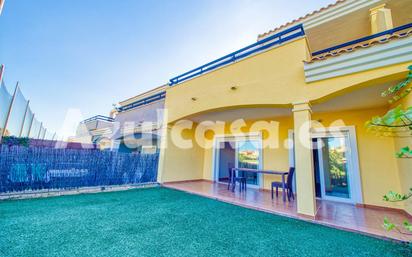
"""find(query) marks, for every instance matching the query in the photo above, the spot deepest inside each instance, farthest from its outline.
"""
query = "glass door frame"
(354, 180)
(236, 138)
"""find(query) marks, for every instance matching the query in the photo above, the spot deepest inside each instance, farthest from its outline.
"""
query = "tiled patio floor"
(338, 215)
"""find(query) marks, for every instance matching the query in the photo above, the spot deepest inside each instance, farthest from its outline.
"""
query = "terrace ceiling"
(365, 98)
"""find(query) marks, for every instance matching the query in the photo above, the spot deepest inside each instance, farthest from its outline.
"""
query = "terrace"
(343, 216)
(188, 209)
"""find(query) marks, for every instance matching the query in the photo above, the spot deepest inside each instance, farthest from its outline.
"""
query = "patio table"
(283, 174)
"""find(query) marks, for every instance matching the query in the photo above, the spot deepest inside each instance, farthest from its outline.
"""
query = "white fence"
(16, 117)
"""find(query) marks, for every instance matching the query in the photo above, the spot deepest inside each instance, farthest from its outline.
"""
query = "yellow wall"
(273, 158)
(276, 78)
(378, 167)
(196, 163)
(261, 79)
(405, 165)
(181, 164)
(271, 78)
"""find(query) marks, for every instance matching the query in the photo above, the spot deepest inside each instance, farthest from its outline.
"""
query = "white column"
(381, 19)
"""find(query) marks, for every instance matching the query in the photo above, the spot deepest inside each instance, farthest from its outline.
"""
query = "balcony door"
(336, 165)
(238, 152)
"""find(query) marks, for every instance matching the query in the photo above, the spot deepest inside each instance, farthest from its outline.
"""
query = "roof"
(352, 48)
(300, 19)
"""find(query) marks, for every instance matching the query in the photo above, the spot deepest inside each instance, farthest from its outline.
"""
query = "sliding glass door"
(337, 167)
(248, 156)
(238, 152)
(334, 167)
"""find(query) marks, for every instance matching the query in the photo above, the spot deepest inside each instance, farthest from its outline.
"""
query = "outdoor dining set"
(238, 175)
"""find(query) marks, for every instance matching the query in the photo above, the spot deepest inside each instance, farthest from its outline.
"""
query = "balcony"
(98, 122)
(142, 102)
(386, 48)
(261, 45)
(98, 117)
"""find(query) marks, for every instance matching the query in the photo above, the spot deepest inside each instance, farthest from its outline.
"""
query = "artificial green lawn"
(164, 222)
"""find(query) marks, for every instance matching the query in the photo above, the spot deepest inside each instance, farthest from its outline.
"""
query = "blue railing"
(98, 117)
(277, 39)
(363, 39)
(144, 101)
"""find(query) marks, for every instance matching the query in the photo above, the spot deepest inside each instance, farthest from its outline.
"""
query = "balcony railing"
(277, 39)
(363, 39)
(98, 117)
(144, 101)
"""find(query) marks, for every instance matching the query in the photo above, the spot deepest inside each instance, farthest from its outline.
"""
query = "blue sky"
(89, 54)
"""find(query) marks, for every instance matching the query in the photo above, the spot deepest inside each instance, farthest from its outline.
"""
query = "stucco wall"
(273, 158)
(275, 78)
(182, 164)
(405, 165)
(378, 167)
(260, 79)
(271, 78)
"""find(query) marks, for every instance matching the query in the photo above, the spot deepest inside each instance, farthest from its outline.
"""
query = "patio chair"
(241, 179)
(288, 185)
(242, 182)
(230, 167)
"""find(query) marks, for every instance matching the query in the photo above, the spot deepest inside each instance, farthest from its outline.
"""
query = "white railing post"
(9, 112)
(1, 81)
(1, 72)
(41, 125)
(44, 134)
(24, 119)
(30, 126)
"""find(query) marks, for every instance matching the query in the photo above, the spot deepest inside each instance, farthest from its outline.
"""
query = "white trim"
(236, 138)
(291, 148)
(1, 5)
(291, 154)
(377, 56)
(354, 176)
(239, 135)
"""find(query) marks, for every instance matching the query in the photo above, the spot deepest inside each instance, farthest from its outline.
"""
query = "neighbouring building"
(133, 126)
(139, 120)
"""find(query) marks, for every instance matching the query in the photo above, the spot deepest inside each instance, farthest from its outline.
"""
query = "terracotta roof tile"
(301, 18)
(366, 44)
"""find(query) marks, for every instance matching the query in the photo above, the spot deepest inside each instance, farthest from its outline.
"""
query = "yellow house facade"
(299, 97)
